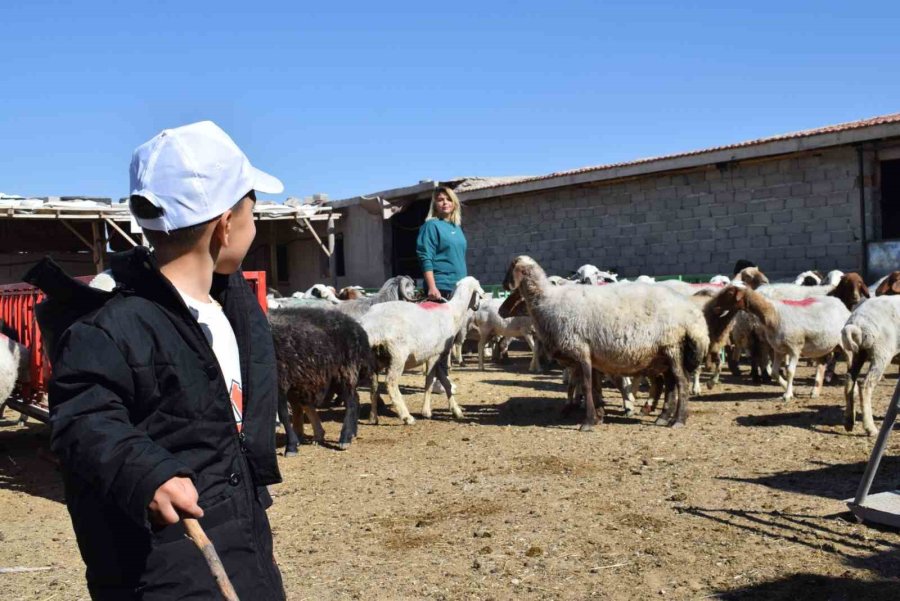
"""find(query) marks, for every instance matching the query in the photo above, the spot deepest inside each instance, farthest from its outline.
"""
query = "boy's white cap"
(194, 173)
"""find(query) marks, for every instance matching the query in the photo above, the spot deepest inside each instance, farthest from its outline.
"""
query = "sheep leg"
(587, 386)
(284, 416)
(535, 365)
(313, 416)
(793, 359)
(776, 369)
(667, 416)
(876, 369)
(717, 370)
(444, 379)
(830, 367)
(625, 388)
(351, 417)
(393, 386)
(681, 396)
(734, 359)
(695, 381)
(571, 382)
(297, 420)
(851, 387)
(482, 341)
(430, 368)
(820, 378)
(656, 389)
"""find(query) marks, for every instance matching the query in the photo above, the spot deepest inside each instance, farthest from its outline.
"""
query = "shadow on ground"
(815, 586)
(834, 481)
(860, 548)
(26, 464)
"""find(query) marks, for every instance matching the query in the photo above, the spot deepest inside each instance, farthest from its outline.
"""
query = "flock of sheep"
(591, 324)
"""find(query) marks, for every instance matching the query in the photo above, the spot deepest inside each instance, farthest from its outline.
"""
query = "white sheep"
(590, 274)
(872, 333)
(808, 328)
(14, 365)
(488, 322)
(720, 279)
(404, 335)
(621, 330)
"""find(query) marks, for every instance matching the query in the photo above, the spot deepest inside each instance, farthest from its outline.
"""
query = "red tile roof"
(830, 129)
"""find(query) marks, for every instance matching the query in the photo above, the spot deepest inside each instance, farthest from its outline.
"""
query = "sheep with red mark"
(795, 329)
(404, 335)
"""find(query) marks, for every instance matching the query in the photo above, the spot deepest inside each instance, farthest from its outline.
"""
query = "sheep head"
(833, 277)
(520, 267)
(752, 277)
(731, 298)
(470, 286)
(890, 285)
(809, 278)
(851, 289)
(350, 293)
(406, 289)
(513, 305)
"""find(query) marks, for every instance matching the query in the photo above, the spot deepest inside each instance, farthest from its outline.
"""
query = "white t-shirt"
(220, 336)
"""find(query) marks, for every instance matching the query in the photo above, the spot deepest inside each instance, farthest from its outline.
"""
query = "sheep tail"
(693, 353)
(851, 337)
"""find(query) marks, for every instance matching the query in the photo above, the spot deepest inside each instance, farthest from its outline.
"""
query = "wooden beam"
(121, 231)
(332, 260)
(87, 242)
(315, 235)
(99, 245)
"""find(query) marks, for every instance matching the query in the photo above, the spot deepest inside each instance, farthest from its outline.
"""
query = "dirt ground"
(516, 503)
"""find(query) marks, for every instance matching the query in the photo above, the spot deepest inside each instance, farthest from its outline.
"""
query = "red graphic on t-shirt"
(237, 404)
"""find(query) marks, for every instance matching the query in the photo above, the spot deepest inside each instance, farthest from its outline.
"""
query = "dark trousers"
(447, 294)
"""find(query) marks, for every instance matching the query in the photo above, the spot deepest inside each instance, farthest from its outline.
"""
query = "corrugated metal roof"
(830, 129)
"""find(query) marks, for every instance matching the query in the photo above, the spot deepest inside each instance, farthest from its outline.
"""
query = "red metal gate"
(17, 302)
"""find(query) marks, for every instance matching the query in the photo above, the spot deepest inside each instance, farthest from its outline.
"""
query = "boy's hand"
(175, 499)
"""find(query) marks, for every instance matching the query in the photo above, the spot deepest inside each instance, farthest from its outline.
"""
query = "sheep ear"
(864, 290)
(473, 301)
(511, 305)
(895, 287)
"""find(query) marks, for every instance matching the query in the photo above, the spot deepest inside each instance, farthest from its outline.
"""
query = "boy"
(163, 400)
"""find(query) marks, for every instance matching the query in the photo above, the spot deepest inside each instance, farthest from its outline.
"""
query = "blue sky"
(351, 97)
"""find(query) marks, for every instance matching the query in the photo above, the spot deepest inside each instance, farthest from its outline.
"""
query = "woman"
(441, 245)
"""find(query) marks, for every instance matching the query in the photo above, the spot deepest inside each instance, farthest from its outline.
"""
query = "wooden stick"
(22, 569)
(195, 533)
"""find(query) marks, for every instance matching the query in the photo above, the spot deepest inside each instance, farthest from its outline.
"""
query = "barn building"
(826, 198)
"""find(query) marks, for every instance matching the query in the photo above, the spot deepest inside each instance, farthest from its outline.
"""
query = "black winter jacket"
(137, 397)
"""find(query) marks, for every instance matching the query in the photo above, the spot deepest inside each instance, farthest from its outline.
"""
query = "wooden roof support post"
(304, 221)
(332, 262)
(121, 231)
(69, 227)
(99, 247)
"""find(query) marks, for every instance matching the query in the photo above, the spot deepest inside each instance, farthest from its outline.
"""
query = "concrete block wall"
(786, 214)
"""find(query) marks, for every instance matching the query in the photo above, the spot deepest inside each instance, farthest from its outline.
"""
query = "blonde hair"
(455, 216)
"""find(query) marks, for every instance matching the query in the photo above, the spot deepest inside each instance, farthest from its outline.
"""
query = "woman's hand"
(434, 294)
